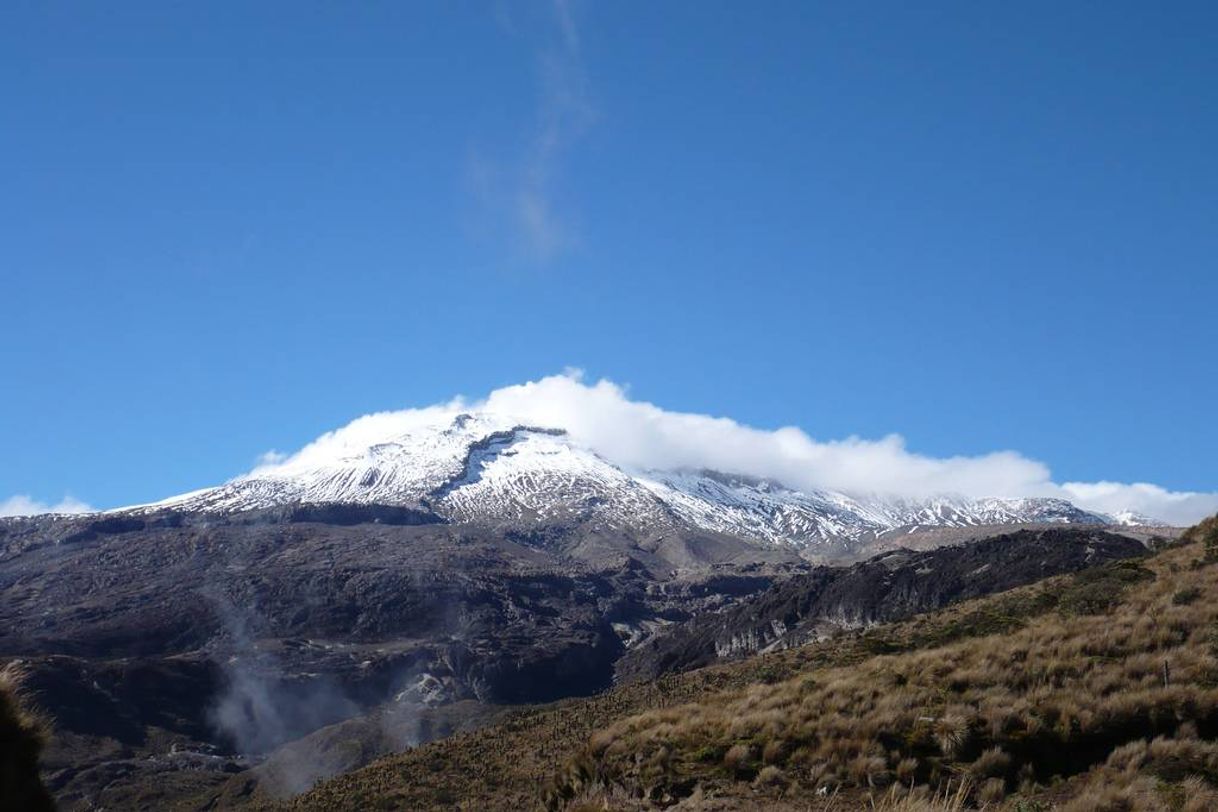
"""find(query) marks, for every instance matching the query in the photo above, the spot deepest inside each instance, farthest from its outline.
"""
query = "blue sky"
(231, 227)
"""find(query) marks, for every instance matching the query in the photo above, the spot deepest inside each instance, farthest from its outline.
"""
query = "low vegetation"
(22, 735)
(1115, 687)
(1097, 691)
(1205, 534)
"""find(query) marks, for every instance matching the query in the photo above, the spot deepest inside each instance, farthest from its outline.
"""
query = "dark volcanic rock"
(121, 699)
(362, 514)
(888, 587)
(173, 642)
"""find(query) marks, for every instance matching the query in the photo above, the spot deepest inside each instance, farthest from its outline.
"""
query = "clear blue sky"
(229, 227)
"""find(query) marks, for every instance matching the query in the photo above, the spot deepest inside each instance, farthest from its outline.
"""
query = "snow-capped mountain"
(485, 468)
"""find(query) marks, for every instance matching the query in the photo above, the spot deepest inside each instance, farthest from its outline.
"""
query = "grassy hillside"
(1205, 534)
(1093, 691)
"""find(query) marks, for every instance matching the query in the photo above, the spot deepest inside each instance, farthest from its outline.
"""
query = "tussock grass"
(22, 736)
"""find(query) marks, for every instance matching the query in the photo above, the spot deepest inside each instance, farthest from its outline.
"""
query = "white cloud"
(271, 457)
(23, 505)
(641, 435)
(520, 194)
(1175, 507)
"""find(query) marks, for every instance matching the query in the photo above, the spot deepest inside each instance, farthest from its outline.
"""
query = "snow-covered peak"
(381, 462)
(1131, 518)
(483, 467)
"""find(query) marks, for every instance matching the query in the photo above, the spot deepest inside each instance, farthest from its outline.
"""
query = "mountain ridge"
(482, 468)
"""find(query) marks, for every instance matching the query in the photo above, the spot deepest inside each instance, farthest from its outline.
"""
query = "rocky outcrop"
(888, 587)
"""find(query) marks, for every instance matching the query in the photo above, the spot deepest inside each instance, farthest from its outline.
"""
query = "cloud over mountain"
(23, 505)
(640, 435)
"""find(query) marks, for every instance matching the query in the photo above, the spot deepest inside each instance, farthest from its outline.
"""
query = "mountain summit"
(484, 468)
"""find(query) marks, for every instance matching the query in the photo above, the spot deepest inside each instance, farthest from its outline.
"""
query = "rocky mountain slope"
(178, 644)
(176, 648)
(889, 587)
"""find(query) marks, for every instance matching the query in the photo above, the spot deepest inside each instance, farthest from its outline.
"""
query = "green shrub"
(1098, 590)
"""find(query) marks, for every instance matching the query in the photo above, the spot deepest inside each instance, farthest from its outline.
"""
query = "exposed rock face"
(888, 587)
(180, 642)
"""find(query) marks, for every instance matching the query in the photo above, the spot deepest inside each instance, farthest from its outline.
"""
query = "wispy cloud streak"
(522, 195)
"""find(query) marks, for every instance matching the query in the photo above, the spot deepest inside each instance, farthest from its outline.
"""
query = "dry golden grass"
(22, 735)
(1053, 696)
(1021, 710)
(1205, 534)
